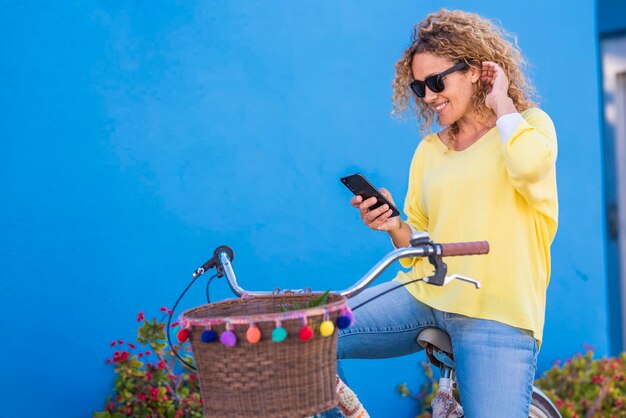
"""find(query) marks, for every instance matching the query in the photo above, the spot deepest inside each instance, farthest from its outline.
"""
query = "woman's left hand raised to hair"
(497, 98)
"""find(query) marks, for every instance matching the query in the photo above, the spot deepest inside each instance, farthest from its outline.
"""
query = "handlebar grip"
(464, 248)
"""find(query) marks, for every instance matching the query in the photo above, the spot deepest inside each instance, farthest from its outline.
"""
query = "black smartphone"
(360, 186)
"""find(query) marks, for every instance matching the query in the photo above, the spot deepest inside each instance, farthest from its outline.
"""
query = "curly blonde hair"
(460, 36)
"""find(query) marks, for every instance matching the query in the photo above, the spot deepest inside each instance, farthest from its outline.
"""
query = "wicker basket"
(290, 378)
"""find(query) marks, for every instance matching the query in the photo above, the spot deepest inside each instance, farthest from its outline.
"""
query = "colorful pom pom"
(306, 333)
(327, 328)
(253, 335)
(228, 338)
(349, 314)
(208, 336)
(279, 334)
(183, 335)
(343, 322)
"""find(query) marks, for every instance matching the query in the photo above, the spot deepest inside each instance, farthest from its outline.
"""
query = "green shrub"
(151, 382)
(426, 393)
(583, 387)
(587, 387)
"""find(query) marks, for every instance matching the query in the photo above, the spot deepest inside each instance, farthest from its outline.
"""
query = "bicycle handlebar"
(421, 246)
(465, 248)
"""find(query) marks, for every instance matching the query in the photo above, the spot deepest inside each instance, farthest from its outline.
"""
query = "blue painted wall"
(136, 137)
(612, 24)
(611, 17)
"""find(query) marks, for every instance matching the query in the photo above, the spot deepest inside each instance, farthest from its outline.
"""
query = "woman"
(489, 174)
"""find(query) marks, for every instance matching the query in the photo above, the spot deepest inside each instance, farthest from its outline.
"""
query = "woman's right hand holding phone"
(378, 219)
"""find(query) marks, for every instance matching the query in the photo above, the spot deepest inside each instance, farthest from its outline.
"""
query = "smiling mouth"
(442, 106)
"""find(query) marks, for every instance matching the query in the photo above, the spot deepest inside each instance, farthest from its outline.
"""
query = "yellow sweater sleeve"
(530, 155)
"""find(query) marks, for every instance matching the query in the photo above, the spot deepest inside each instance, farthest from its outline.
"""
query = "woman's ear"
(475, 70)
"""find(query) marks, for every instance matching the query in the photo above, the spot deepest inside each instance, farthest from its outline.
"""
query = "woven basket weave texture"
(287, 379)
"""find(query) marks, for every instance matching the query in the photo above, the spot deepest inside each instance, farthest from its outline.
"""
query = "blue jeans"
(495, 363)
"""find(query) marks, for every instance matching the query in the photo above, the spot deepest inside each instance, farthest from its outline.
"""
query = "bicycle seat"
(435, 340)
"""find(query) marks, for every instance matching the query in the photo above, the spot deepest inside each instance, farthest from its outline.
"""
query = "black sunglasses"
(434, 82)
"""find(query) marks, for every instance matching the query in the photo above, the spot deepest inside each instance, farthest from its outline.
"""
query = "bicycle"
(435, 342)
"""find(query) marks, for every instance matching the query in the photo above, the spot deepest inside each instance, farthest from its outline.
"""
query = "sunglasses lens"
(435, 84)
(419, 88)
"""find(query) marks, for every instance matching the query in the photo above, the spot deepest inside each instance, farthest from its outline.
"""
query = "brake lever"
(455, 276)
(440, 278)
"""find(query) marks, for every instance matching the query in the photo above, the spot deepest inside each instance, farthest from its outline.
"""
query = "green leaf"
(319, 300)
(403, 390)
(159, 347)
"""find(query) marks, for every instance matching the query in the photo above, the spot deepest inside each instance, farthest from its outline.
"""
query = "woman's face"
(455, 101)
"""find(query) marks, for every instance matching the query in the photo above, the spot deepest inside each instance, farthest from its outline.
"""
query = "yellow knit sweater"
(504, 193)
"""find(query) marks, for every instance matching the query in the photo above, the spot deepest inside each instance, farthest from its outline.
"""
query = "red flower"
(140, 317)
(131, 345)
(110, 406)
(149, 376)
(108, 361)
(113, 343)
(120, 342)
(163, 309)
(142, 397)
(148, 353)
(162, 364)
(169, 311)
(182, 336)
(140, 355)
(123, 356)
(175, 324)
(154, 394)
